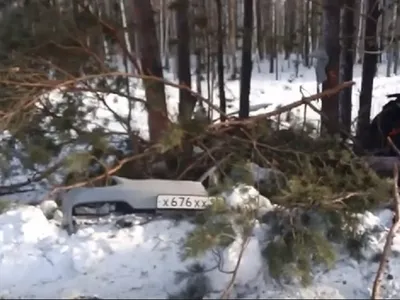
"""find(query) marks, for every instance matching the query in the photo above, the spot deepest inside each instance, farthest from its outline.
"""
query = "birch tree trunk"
(361, 31)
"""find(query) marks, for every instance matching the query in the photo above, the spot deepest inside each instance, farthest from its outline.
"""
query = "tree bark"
(187, 101)
(151, 66)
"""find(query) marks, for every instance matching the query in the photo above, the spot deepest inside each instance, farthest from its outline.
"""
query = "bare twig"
(227, 290)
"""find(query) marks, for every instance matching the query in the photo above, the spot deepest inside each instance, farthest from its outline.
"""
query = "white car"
(133, 196)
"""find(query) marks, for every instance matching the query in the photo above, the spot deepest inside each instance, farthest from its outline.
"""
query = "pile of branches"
(318, 171)
(190, 150)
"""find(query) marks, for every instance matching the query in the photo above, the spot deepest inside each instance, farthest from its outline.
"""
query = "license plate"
(183, 202)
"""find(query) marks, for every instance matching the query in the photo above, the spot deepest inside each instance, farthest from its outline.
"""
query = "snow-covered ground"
(39, 260)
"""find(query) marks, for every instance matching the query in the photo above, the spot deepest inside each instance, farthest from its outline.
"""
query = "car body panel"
(139, 194)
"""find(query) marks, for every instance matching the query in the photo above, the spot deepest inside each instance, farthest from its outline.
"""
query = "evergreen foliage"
(323, 188)
(37, 36)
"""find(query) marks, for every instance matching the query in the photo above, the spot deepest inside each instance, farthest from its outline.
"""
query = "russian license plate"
(183, 202)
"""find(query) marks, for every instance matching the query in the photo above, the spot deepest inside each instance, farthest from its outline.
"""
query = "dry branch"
(285, 108)
(246, 239)
(47, 85)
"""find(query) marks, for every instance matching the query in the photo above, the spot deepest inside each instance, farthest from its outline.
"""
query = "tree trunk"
(348, 37)
(187, 101)
(330, 105)
(260, 43)
(130, 24)
(369, 69)
(271, 39)
(391, 26)
(314, 25)
(396, 40)
(306, 51)
(276, 41)
(286, 40)
(361, 31)
(382, 31)
(233, 36)
(151, 66)
(245, 76)
(300, 29)
(220, 61)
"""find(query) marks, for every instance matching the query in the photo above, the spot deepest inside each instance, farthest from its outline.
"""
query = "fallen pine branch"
(213, 128)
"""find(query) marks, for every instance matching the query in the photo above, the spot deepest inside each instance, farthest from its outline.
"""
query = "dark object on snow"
(124, 223)
(385, 124)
